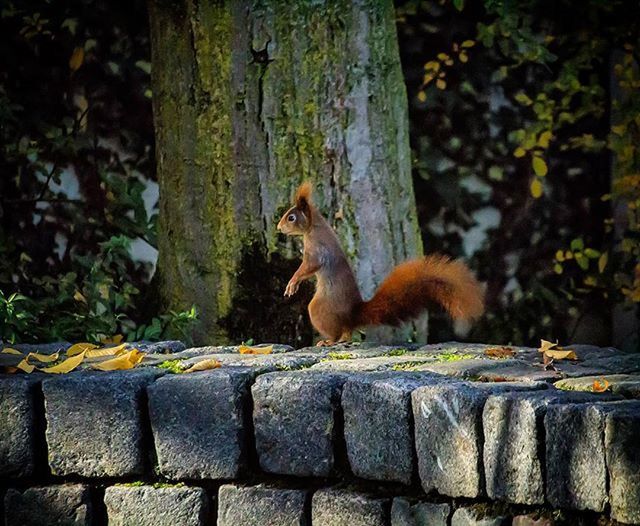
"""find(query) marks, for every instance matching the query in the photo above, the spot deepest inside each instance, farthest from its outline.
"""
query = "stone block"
(17, 426)
(448, 434)
(200, 423)
(514, 435)
(336, 507)
(622, 446)
(576, 469)
(378, 424)
(63, 505)
(260, 363)
(276, 348)
(379, 363)
(261, 506)
(156, 506)
(165, 347)
(296, 422)
(96, 423)
(407, 513)
(476, 516)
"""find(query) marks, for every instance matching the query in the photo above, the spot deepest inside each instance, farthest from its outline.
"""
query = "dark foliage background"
(512, 110)
(77, 155)
(524, 121)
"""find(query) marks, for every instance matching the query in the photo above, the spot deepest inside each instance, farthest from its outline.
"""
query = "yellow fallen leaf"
(125, 361)
(9, 350)
(244, 349)
(559, 354)
(204, 365)
(67, 366)
(600, 387)
(118, 348)
(80, 348)
(107, 351)
(546, 346)
(44, 358)
(25, 366)
(116, 338)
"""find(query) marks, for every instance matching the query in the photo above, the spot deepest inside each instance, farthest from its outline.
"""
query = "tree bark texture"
(250, 98)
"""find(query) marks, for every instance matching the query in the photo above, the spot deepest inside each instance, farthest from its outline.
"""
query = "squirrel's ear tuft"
(303, 196)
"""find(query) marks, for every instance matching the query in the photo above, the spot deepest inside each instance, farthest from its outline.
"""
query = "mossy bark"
(251, 98)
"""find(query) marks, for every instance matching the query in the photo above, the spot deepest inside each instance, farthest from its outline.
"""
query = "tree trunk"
(250, 98)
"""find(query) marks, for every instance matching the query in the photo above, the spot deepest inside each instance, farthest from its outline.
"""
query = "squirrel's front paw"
(292, 288)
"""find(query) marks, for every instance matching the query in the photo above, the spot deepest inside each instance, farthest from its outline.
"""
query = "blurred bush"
(525, 124)
(76, 139)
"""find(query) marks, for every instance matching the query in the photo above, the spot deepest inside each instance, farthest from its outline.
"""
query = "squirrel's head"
(297, 220)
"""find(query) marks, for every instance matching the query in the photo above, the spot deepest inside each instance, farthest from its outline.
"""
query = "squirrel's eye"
(291, 218)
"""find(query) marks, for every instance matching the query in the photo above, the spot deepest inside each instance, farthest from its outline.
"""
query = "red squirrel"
(337, 308)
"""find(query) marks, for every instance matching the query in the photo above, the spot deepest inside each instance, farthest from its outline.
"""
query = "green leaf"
(544, 138)
(577, 244)
(496, 173)
(539, 166)
(144, 66)
(591, 253)
(536, 188)
(602, 262)
(582, 261)
(523, 99)
(458, 4)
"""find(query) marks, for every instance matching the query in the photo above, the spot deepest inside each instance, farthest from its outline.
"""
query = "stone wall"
(350, 435)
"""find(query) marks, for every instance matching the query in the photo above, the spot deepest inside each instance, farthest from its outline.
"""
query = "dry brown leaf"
(43, 358)
(204, 365)
(122, 362)
(244, 349)
(551, 351)
(80, 348)
(9, 350)
(500, 352)
(546, 346)
(561, 354)
(67, 366)
(600, 387)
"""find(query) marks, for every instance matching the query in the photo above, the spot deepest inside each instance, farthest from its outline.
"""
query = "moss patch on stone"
(338, 356)
(173, 366)
(396, 352)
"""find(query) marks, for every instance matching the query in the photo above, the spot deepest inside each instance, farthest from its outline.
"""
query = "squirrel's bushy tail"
(411, 287)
